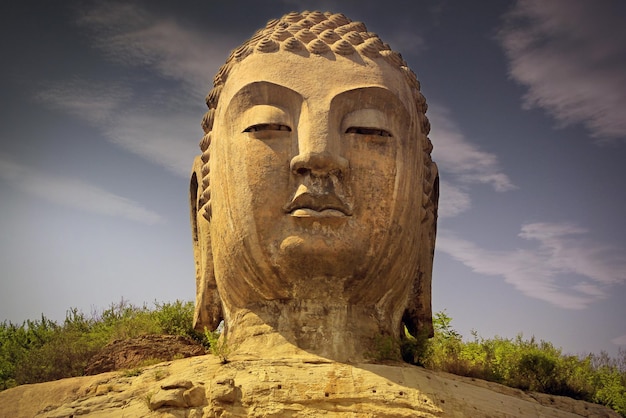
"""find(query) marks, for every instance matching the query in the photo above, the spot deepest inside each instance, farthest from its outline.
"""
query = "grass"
(136, 371)
(160, 374)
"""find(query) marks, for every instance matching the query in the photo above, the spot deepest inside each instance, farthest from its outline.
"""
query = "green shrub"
(611, 389)
(414, 349)
(523, 364)
(123, 320)
(385, 348)
(177, 319)
(17, 342)
(218, 346)
(42, 350)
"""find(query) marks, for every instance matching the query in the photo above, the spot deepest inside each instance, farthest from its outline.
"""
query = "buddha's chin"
(313, 256)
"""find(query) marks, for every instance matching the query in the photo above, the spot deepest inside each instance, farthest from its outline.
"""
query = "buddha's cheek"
(267, 180)
(373, 183)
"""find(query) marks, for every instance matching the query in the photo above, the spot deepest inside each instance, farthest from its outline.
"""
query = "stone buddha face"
(315, 168)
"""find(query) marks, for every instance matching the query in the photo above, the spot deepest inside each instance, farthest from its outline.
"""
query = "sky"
(100, 122)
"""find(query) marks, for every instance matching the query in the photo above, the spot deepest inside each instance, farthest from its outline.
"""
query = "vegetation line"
(43, 350)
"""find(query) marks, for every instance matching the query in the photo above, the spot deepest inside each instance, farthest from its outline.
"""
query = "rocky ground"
(301, 386)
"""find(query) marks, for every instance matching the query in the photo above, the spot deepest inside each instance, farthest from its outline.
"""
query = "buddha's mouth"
(309, 205)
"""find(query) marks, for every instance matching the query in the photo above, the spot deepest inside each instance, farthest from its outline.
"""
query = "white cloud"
(74, 193)
(133, 36)
(570, 250)
(456, 155)
(169, 140)
(552, 270)
(619, 340)
(159, 133)
(92, 101)
(461, 164)
(453, 200)
(161, 126)
(570, 56)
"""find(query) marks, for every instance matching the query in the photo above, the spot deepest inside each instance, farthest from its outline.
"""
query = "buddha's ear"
(418, 316)
(208, 310)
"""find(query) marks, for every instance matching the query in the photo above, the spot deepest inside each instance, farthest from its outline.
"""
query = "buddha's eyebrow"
(265, 92)
(373, 97)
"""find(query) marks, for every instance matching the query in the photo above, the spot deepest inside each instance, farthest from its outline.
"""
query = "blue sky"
(101, 111)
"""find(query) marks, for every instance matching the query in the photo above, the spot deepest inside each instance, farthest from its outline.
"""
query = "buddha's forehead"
(316, 78)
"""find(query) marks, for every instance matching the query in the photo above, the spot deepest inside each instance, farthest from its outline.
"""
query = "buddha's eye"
(359, 130)
(268, 127)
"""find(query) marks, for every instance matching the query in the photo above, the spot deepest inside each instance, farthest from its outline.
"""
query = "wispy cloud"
(456, 155)
(131, 35)
(461, 164)
(619, 340)
(453, 200)
(159, 133)
(169, 140)
(95, 102)
(565, 268)
(74, 193)
(161, 126)
(570, 56)
(569, 249)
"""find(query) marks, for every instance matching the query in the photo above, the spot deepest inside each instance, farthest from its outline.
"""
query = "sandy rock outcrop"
(306, 386)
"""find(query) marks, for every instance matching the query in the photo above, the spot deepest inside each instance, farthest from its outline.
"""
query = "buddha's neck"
(327, 328)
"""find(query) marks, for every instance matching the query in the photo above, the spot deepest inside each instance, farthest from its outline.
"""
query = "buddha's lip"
(314, 204)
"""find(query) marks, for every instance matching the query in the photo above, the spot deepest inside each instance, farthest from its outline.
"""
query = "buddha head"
(314, 200)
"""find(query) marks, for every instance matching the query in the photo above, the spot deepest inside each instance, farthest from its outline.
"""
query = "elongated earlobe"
(418, 315)
(208, 310)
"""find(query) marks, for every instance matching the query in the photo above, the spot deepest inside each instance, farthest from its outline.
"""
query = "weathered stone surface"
(126, 354)
(178, 393)
(195, 396)
(301, 386)
(177, 384)
(172, 397)
(314, 202)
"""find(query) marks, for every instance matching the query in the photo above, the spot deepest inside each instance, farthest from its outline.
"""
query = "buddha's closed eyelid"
(361, 130)
(265, 119)
(267, 127)
(371, 123)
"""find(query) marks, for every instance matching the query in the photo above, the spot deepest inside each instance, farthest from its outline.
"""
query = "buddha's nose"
(319, 164)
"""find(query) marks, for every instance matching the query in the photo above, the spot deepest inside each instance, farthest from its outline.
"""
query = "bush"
(610, 389)
(42, 350)
(123, 320)
(523, 364)
(17, 342)
(177, 319)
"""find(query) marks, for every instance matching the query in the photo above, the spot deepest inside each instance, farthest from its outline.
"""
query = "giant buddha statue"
(314, 199)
